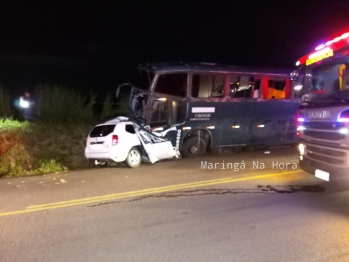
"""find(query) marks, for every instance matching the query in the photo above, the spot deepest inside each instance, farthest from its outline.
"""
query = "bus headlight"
(301, 149)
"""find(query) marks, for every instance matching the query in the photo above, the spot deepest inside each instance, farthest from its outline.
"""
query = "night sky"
(96, 44)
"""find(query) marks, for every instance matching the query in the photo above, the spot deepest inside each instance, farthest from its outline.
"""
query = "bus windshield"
(142, 79)
(174, 84)
(325, 78)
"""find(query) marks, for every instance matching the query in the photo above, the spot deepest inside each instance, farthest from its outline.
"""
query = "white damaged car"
(124, 140)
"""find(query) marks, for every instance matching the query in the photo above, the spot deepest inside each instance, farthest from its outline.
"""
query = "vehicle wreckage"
(128, 140)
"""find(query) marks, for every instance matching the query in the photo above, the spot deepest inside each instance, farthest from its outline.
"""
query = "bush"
(41, 148)
(56, 140)
(63, 104)
(123, 105)
(64, 143)
(5, 105)
(13, 156)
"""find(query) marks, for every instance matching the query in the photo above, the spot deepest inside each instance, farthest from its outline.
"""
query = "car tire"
(194, 147)
(134, 158)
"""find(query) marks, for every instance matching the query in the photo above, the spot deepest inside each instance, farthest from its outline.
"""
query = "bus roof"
(213, 68)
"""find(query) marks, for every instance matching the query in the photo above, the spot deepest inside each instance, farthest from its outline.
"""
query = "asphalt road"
(180, 210)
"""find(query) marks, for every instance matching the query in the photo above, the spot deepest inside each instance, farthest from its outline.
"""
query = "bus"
(215, 106)
(322, 80)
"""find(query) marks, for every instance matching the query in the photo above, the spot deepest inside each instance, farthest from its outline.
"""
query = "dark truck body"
(323, 129)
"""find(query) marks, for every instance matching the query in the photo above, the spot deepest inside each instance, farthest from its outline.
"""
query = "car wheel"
(134, 158)
(194, 147)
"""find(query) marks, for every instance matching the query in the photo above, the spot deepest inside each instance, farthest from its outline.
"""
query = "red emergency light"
(324, 51)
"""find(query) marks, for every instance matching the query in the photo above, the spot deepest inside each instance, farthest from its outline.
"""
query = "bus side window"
(257, 89)
(276, 89)
(207, 85)
(241, 86)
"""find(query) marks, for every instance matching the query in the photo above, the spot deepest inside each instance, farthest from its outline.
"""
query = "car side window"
(130, 129)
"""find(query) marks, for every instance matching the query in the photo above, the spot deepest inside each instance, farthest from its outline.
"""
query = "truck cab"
(323, 116)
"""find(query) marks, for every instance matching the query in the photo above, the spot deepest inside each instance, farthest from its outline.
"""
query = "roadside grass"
(55, 141)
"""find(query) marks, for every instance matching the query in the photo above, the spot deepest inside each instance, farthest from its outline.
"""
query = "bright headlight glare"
(301, 148)
(343, 131)
(23, 104)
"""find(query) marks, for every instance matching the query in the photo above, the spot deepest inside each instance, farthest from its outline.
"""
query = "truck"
(322, 82)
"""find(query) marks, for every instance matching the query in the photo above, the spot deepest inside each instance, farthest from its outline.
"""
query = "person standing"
(27, 103)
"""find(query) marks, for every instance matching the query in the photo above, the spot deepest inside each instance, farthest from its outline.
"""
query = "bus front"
(158, 97)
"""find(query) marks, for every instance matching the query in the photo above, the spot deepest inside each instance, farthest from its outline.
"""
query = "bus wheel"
(194, 147)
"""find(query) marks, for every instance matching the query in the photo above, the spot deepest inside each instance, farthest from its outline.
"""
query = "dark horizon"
(96, 46)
